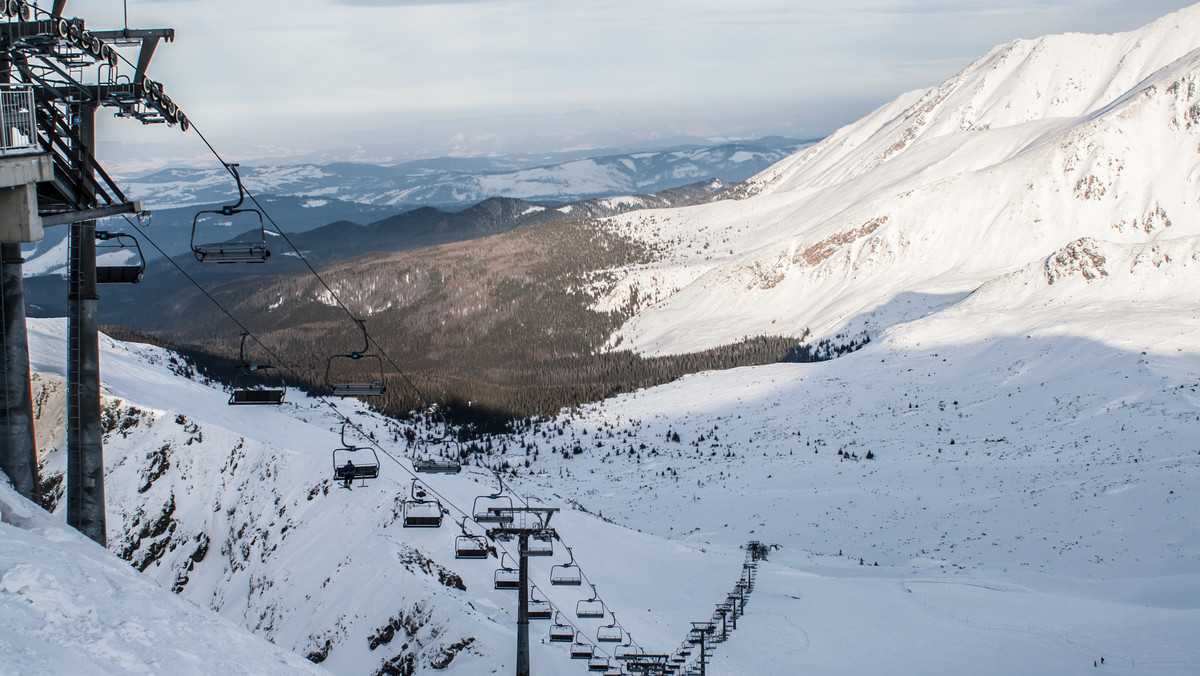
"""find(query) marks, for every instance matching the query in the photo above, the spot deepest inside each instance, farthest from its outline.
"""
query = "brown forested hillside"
(494, 327)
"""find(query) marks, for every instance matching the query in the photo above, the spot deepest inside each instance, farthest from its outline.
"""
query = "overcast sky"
(434, 77)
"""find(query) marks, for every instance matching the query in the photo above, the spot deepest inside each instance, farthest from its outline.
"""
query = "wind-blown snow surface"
(1031, 504)
(233, 508)
(69, 607)
(1036, 145)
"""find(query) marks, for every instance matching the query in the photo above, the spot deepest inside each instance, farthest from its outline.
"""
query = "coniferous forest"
(491, 329)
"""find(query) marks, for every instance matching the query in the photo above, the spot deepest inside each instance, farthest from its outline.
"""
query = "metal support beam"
(523, 607)
(92, 214)
(18, 445)
(85, 443)
(149, 38)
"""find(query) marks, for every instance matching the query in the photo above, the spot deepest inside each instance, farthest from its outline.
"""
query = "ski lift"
(364, 469)
(560, 631)
(247, 388)
(598, 663)
(113, 245)
(540, 545)
(467, 546)
(507, 577)
(581, 649)
(431, 464)
(346, 381)
(627, 650)
(539, 608)
(252, 251)
(494, 508)
(590, 609)
(566, 574)
(421, 510)
(610, 633)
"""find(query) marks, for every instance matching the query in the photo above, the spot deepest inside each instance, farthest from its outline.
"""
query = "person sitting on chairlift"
(348, 472)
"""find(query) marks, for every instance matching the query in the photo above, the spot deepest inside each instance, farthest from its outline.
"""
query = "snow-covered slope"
(69, 607)
(1036, 145)
(235, 510)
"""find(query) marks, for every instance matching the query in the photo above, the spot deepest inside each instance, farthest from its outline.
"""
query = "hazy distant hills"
(454, 183)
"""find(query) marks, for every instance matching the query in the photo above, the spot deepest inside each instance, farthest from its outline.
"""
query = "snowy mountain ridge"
(937, 193)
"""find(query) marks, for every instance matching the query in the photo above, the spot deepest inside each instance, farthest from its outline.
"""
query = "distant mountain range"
(357, 201)
(454, 183)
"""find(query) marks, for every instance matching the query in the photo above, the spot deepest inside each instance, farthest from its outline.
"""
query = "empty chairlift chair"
(467, 546)
(581, 649)
(540, 545)
(422, 510)
(598, 663)
(560, 631)
(119, 258)
(539, 608)
(351, 463)
(591, 609)
(566, 574)
(610, 633)
(248, 386)
(493, 508)
(426, 461)
(237, 246)
(355, 374)
(507, 578)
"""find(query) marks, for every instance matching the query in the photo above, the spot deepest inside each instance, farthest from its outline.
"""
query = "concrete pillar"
(18, 445)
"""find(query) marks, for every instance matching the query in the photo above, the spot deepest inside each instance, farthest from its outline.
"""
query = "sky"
(388, 80)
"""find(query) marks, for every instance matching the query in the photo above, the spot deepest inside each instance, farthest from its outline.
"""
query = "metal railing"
(18, 133)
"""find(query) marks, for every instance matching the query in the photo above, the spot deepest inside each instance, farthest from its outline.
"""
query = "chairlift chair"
(626, 650)
(112, 244)
(252, 251)
(432, 464)
(506, 578)
(493, 508)
(591, 609)
(610, 633)
(247, 387)
(339, 379)
(365, 468)
(470, 547)
(560, 631)
(540, 545)
(598, 663)
(566, 574)
(539, 608)
(581, 649)
(421, 510)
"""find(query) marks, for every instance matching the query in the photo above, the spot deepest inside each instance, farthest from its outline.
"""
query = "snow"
(1037, 144)
(1021, 246)
(68, 606)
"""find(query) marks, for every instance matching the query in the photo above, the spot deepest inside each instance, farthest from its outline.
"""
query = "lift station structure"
(55, 73)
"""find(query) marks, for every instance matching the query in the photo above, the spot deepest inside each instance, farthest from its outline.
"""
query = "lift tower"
(71, 72)
(522, 523)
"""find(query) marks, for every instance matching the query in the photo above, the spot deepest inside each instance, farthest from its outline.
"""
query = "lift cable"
(467, 514)
(345, 308)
